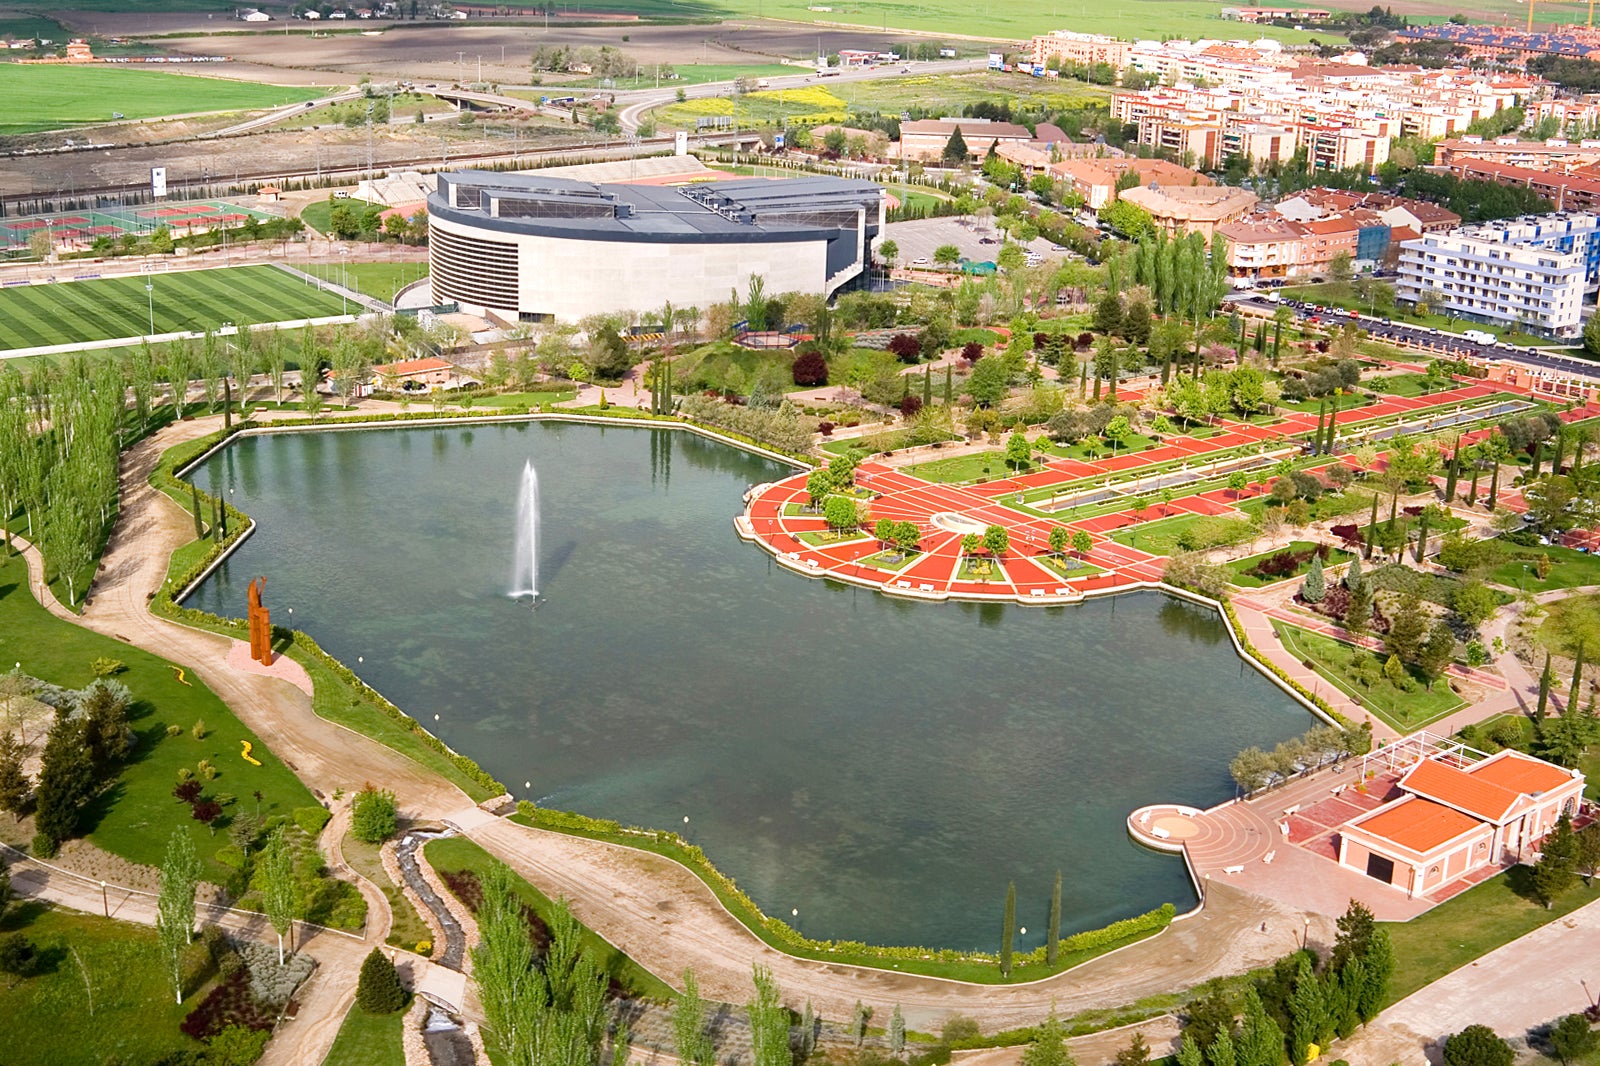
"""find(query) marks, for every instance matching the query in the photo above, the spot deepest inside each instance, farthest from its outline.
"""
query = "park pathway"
(650, 907)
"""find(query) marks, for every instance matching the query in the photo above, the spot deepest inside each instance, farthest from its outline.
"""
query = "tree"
(1474, 603)
(819, 483)
(1437, 652)
(897, 1031)
(1260, 1040)
(769, 1022)
(1082, 542)
(1222, 1051)
(373, 815)
(1137, 1053)
(1008, 929)
(513, 993)
(955, 149)
(810, 369)
(693, 1044)
(996, 539)
(1019, 452)
(1556, 872)
(1314, 589)
(1358, 615)
(14, 784)
(989, 381)
(1251, 769)
(19, 957)
(1408, 629)
(947, 255)
(889, 251)
(1340, 270)
(1477, 1045)
(1307, 1012)
(175, 909)
(1108, 314)
(1053, 930)
(841, 513)
(279, 894)
(66, 781)
(907, 536)
(1049, 1044)
(378, 990)
(1572, 1039)
(1586, 850)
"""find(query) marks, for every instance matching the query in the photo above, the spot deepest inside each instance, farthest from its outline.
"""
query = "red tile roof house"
(1457, 819)
(429, 370)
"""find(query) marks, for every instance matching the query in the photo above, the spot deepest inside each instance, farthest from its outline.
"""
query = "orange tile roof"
(1459, 789)
(413, 366)
(1520, 773)
(1418, 825)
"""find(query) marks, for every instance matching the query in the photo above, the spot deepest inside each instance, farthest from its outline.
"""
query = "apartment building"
(1067, 46)
(1557, 155)
(1192, 208)
(1263, 248)
(1096, 179)
(923, 140)
(1531, 272)
(1566, 192)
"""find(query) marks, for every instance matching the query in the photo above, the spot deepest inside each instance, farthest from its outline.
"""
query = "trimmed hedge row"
(781, 934)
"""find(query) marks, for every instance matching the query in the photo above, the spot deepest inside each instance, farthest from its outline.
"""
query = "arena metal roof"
(753, 209)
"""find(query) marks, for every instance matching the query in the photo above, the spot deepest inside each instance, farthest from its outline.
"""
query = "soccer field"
(106, 309)
(40, 97)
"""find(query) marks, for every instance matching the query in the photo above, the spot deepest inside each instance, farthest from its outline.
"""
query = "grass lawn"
(377, 280)
(318, 214)
(1244, 579)
(408, 929)
(988, 465)
(1337, 662)
(108, 308)
(822, 538)
(457, 853)
(60, 97)
(48, 1016)
(1407, 384)
(980, 569)
(368, 1040)
(1161, 538)
(20, 26)
(137, 815)
(1568, 569)
(1068, 565)
(891, 560)
(1466, 927)
(526, 399)
(1331, 505)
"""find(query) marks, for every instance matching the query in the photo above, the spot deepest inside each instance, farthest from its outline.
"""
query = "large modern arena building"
(527, 248)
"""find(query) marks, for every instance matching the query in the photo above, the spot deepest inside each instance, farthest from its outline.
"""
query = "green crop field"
(23, 25)
(106, 309)
(60, 97)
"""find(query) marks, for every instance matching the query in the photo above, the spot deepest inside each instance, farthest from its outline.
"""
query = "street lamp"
(150, 299)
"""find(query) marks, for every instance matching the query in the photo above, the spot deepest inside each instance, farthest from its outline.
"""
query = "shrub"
(910, 404)
(104, 667)
(188, 791)
(174, 730)
(44, 846)
(1477, 1045)
(199, 730)
(906, 347)
(372, 815)
(236, 1046)
(311, 819)
(379, 990)
(18, 956)
(972, 351)
(1083, 341)
(810, 369)
(228, 1004)
(270, 983)
(825, 428)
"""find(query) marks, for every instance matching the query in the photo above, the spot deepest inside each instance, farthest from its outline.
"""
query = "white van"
(1478, 336)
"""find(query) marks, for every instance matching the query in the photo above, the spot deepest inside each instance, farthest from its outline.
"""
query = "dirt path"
(654, 909)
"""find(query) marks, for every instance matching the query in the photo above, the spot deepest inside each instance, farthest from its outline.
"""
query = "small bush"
(104, 667)
(45, 846)
(207, 771)
(810, 369)
(373, 815)
(379, 990)
(228, 1004)
(906, 347)
(199, 730)
(270, 983)
(910, 404)
(19, 958)
(174, 730)
(311, 819)
(972, 351)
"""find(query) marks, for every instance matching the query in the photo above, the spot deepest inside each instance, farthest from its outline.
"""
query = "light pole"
(150, 299)
(105, 900)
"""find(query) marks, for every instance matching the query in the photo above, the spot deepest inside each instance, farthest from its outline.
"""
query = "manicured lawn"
(368, 1040)
(1332, 505)
(378, 280)
(1568, 569)
(47, 1016)
(137, 815)
(59, 97)
(1161, 538)
(527, 399)
(1068, 565)
(822, 538)
(1466, 927)
(408, 929)
(988, 465)
(1337, 662)
(1244, 579)
(318, 214)
(109, 308)
(980, 569)
(891, 560)
(457, 853)
(1090, 448)
(1407, 384)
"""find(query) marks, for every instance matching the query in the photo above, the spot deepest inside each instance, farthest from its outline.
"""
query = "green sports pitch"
(72, 312)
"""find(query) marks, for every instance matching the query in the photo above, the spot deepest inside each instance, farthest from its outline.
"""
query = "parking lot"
(919, 238)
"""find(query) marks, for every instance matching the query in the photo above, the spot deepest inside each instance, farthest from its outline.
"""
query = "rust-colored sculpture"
(260, 625)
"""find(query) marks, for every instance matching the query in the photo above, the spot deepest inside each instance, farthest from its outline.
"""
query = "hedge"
(781, 934)
(1277, 671)
(312, 819)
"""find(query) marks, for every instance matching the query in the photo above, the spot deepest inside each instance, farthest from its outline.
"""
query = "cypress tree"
(947, 393)
(1010, 928)
(1277, 342)
(1372, 525)
(216, 523)
(1561, 451)
(1422, 536)
(927, 388)
(1316, 440)
(1306, 1014)
(199, 523)
(227, 404)
(1097, 388)
(1166, 370)
(1538, 460)
(1315, 586)
(1083, 379)
(1544, 690)
(1577, 678)
(1333, 424)
(1452, 472)
(1052, 944)
(1352, 577)
(378, 990)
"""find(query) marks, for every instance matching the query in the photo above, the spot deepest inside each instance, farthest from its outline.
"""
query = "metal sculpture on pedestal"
(260, 625)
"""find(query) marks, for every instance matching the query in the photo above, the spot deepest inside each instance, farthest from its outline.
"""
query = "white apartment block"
(1530, 273)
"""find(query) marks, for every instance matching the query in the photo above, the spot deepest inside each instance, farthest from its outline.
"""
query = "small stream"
(455, 940)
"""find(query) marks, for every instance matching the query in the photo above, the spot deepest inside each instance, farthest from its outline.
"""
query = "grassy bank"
(368, 1040)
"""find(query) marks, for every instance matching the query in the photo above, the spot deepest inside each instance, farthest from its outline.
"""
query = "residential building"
(1263, 247)
(409, 374)
(1087, 49)
(1096, 179)
(1530, 273)
(1274, 14)
(1191, 208)
(1555, 155)
(1566, 192)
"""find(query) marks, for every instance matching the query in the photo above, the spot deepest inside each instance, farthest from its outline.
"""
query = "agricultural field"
(110, 308)
(24, 25)
(809, 106)
(61, 97)
(948, 93)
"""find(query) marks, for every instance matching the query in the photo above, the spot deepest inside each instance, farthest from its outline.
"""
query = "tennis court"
(81, 228)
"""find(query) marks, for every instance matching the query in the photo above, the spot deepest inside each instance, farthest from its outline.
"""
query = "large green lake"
(883, 767)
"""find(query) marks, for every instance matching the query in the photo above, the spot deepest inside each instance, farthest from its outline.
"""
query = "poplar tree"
(279, 896)
(689, 1036)
(199, 523)
(897, 1031)
(769, 1022)
(175, 909)
(1307, 1017)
